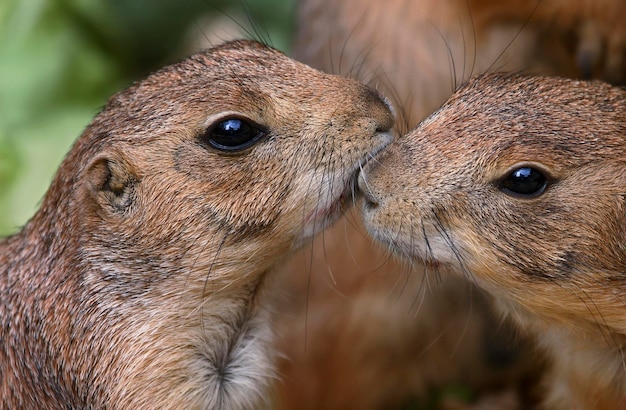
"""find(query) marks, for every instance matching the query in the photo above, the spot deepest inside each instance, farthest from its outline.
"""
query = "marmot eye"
(232, 135)
(524, 181)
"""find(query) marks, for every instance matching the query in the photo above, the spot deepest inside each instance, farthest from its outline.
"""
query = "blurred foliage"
(61, 59)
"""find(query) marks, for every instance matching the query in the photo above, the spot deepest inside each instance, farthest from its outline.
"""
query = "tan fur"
(554, 262)
(345, 289)
(144, 279)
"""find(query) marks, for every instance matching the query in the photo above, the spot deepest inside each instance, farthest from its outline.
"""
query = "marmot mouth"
(336, 208)
(349, 195)
(368, 203)
(326, 216)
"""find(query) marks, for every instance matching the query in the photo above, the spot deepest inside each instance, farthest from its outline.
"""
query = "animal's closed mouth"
(339, 205)
(325, 216)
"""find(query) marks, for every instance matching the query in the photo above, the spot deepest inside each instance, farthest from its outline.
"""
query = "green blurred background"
(61, 59)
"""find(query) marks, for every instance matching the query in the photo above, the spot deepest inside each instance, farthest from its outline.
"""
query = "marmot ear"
(111, 181)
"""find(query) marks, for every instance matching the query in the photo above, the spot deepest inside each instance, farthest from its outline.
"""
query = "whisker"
(467, 323)
(367, 185)
(430, 256)
(206, 280)
(474, 57)
(506, 47)
(451, 63)
(193, 264)
(450, 242)
(360, 60)
(464, 46)
(420, 295)
(596, 313)
(256, 30)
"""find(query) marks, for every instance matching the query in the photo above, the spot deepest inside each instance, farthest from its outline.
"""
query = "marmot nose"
(370, 198)
(381, 110)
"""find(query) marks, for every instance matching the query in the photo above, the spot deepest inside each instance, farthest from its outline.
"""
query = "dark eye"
(232, 135)
(524, 181)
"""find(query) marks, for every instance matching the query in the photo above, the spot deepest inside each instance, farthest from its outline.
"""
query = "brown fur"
(143, 281)
(349, 299)
(555, 261)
